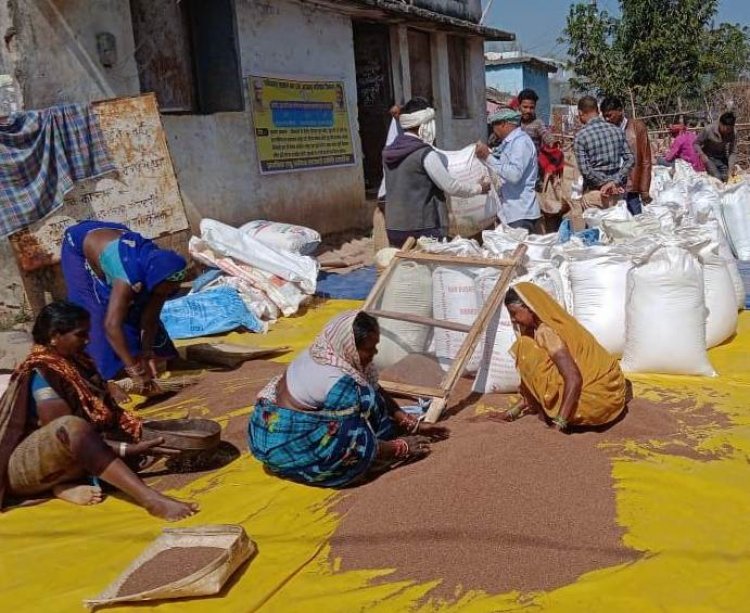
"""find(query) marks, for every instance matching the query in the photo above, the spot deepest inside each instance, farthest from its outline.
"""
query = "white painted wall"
(215, 156)
(57, 60)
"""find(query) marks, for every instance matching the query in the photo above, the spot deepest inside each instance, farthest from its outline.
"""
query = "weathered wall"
(538, 80)
(215, 156)
(507, 78)
(58, 60)
(471, 10)
(457, 133)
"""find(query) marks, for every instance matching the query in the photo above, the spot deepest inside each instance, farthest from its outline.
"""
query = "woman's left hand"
(433, 432)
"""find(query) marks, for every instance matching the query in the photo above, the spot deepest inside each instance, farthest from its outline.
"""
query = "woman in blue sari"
(122, 279)
(326, 421)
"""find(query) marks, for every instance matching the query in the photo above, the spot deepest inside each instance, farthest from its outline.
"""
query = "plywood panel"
(143, 195)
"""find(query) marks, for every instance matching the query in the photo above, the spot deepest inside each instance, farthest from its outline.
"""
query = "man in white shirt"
(417, 180)
(514, 160)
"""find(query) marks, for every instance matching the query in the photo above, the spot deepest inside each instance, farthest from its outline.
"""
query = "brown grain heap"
(168, 566)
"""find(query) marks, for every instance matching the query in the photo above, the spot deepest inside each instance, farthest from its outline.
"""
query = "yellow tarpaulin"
(688, 517)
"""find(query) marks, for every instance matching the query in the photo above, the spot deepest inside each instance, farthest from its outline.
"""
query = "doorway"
(372, 59)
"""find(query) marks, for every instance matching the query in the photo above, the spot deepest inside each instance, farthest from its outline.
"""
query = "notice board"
(142, 194)
(300, 125)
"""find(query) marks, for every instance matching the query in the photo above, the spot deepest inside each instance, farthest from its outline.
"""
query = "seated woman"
(326, 422)
(59, 425)
(566, 375)
(122, 279)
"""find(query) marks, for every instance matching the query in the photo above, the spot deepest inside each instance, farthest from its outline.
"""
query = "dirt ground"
(499, 506)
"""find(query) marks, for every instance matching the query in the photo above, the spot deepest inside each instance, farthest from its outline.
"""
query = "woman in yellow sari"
(566, 375)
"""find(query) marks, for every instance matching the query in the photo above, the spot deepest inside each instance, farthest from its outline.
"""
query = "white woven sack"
(665, 328)
(286, 236)
(455, 298)
(408, 291)
(704, 200)
(594, 216)
(502, 241)
(736, 215)
(598, 290)
(538, 246)
(721, 302)
(660, 176)
(719, 244)
(497, 372)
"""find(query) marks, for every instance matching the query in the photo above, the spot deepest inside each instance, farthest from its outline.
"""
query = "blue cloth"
(744, 268)
(211, 311)
(515, 161)
(207, 277)
(86, 289)
(111, 264)
(43, 153)
(589, 236)
(40, 390)
(332, 447)
(355, 285)
(633, 200)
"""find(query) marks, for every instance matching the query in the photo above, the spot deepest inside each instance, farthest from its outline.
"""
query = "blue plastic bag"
(211, 311)
(589, 236)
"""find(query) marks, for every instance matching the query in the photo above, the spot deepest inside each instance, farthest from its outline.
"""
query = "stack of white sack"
(469, 216)
(665, 329)
(270, 280)
(503, 240)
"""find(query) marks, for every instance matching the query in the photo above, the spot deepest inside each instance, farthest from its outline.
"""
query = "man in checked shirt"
(604, 157)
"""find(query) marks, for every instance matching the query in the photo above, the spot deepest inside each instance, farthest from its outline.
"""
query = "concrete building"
(197, 54)
(512, 71)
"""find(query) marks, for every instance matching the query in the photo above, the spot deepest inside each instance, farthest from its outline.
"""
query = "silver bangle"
(123, 449)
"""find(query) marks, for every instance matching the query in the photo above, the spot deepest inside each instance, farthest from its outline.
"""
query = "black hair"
(415, 104)
(728, 119)
(59, 317)
(587, 104)
(527, 94)
(611, 103)
(512, 297)
(364, 325)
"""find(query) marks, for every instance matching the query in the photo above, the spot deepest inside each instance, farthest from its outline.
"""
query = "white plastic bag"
(736, 217)
(284, 236)
(721, 302)
(497, 371)
(455, 298)
(599, 289)
(287, 296)
(469, 216)
(232, 242)
(665, 316)
(408, 291)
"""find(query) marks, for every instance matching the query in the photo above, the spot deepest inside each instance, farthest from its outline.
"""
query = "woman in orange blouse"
(566, 375)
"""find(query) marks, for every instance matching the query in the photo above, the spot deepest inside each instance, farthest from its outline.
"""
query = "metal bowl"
(184, 434)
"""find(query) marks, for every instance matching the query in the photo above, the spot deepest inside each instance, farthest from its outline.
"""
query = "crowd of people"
(612, 152)
(326, 421)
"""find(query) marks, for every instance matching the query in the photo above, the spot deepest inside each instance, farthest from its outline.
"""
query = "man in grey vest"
(417, 180)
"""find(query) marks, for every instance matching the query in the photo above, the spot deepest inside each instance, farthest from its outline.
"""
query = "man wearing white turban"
(417, 180)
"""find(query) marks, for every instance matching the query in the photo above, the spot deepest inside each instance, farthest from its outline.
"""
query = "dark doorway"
(372, 60)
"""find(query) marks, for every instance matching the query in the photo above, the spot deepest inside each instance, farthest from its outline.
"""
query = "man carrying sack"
(417, 180)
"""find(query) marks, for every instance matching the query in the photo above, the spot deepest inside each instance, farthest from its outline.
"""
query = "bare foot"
(78, 494)
(170, 509)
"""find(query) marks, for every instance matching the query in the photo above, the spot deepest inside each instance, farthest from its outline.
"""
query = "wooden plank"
(454, 259)
(382, 281)
(420, 319)
(408, 389)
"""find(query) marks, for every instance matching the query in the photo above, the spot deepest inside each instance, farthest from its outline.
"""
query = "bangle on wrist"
(122, 450)
(560, 422)
(136, 370)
